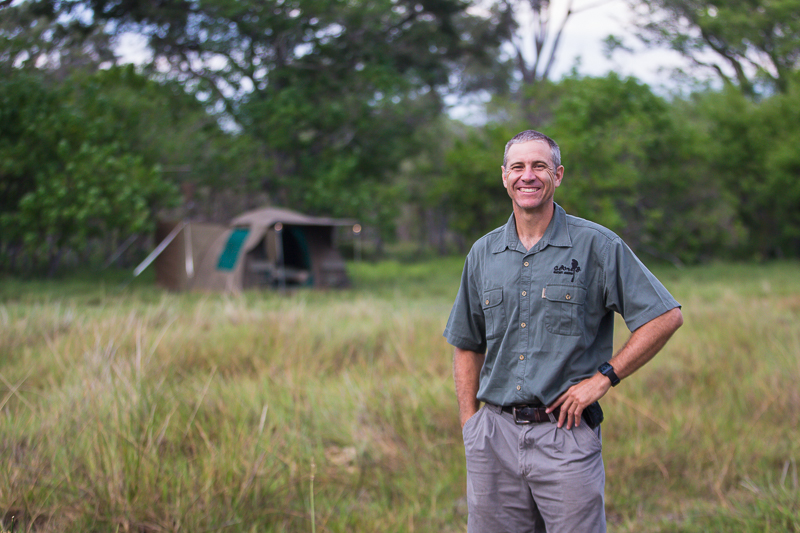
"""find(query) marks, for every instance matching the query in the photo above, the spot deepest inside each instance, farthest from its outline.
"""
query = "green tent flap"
(227, 259)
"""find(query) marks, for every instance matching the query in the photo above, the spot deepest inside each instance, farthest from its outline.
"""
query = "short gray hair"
(532, 135)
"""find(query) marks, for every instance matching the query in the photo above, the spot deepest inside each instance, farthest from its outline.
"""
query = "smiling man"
(532, 327)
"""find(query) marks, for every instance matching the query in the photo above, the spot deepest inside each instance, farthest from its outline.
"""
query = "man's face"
(529, 176)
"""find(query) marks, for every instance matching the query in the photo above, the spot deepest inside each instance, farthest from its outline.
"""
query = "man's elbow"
(675, 317)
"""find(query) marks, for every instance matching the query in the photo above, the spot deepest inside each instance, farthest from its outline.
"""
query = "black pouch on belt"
(593, 415)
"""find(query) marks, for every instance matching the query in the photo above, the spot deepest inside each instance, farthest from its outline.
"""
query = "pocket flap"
(569, 294)
(492, 297)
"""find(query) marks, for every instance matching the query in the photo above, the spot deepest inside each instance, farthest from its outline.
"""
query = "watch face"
(608, 371)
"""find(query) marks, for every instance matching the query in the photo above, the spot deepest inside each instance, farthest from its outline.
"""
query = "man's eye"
(541, 167)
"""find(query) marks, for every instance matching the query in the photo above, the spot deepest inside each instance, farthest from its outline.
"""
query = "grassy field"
(126, 408)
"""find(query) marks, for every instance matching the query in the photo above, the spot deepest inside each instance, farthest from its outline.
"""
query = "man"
(532, 328)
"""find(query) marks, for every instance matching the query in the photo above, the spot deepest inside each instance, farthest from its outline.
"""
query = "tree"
(533, 30)
(34, 36)
(165, 126)
(58, 179)
(638, 165)
(87, 194)
(333, 88)
(754, 44)
(100, 153)
(62, 181)
(470, 188)
(753, 149)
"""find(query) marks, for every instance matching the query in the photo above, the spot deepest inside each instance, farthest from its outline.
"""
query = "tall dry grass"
(138, 410)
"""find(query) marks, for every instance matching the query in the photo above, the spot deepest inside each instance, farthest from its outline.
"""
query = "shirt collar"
(557, 234)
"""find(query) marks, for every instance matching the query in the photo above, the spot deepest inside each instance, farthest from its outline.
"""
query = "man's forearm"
(466, 374)
(645, 343)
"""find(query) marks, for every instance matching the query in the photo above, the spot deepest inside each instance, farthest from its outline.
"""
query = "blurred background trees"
(340, 108)
(753, 44)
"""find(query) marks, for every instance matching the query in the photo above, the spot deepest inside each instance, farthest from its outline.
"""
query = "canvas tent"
(261, 248)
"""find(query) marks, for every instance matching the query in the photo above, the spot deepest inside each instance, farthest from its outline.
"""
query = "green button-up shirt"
(544, 317)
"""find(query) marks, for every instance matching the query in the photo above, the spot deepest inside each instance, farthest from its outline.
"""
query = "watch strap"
(607, 370)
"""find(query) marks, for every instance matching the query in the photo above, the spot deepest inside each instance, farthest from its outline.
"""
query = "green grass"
(127, 408)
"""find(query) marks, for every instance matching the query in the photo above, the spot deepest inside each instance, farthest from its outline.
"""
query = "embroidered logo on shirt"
(574, 269)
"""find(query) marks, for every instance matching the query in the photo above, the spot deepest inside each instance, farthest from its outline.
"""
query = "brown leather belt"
(537, 414)
(530, 414)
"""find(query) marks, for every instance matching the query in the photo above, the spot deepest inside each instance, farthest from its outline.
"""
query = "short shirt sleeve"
(466, 327)
(631, 289)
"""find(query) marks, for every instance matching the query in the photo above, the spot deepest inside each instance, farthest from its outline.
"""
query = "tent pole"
(121, 250)
(160, 248)
(281, 261)
(187, 241)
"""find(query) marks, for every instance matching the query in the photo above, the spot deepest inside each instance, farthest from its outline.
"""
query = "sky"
(584, 35)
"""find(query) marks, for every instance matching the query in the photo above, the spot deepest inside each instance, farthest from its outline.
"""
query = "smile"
(528, 189)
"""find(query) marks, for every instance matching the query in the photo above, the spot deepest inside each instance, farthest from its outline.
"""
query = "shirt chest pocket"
(494, 313)
(564, 309)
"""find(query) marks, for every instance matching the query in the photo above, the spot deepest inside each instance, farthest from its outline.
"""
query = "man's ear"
(559, 175)
(503, 175)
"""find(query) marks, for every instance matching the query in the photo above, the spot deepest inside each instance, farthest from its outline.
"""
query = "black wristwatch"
(608, 371)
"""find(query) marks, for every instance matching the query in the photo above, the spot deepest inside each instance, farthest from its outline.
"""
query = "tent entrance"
(281, 257)
(296, 257)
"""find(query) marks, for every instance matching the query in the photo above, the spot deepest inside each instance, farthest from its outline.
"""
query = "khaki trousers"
(532, 478)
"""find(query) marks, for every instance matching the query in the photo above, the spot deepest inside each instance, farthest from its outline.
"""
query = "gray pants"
(532, 478)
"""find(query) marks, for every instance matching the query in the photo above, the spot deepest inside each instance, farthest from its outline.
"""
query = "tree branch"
(554, 49)
(520, 57)
(744, 82)
(212, 81)
(713, 66)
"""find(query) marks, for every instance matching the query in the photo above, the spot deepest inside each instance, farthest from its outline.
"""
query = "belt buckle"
(520, 422)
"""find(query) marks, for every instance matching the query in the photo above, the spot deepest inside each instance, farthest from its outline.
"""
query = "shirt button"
(525, 263)
(568, 297)
(521, 357)
(523, 324)
(487, 301)
(524, 293)
(518, 387)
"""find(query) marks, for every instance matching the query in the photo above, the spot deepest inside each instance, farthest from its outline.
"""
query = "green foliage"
(685, 181)
(69, 171)
(334, 90)
(98, 154)
(335, 153)
(24, 102)
(635, 163)
(471, 187)
(34, 35)
(91, 191)
(608, 128)
(337, 109)
(753, 149)
(166, 126)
